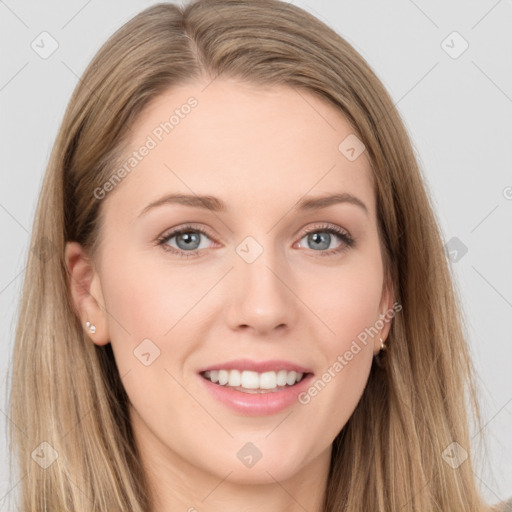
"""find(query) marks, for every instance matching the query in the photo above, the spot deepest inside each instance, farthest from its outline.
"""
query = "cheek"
(138, 314)
(350, 307)
(141, 298)
(142, 307)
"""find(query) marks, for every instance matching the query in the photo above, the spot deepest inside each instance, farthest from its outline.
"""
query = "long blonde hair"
(67, 392)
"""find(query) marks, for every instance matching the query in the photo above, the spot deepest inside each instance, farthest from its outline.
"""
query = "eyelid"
(185, 227)
(301, 234)
(323, 225)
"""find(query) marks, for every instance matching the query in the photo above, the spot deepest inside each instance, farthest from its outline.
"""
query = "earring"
(378, 356)
(92, 328)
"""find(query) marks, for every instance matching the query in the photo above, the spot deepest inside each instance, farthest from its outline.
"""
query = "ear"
(86, 293)
(385, 307)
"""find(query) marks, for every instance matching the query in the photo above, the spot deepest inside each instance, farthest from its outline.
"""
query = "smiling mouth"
(254, 382)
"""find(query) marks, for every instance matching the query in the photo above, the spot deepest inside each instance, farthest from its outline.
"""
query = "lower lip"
(257, 404)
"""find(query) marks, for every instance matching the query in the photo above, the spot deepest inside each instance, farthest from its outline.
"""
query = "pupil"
(317, 238)
(188, 237)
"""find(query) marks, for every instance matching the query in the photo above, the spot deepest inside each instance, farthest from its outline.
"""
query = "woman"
(260, 371)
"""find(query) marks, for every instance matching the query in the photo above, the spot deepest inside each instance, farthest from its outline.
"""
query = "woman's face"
(268, 287)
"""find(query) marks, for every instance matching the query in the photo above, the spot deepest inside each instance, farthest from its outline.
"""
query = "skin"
(260, 150)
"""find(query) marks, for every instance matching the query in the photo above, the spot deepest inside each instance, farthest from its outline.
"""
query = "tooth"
(254, 380)
(281, 377)
(290, 378)
(234, 378)
(223, 377)
(250, 380)
(268, 380)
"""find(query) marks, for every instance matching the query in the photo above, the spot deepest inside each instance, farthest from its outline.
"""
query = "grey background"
(457, 111)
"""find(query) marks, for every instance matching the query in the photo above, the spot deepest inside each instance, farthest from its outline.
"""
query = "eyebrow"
(217, 205)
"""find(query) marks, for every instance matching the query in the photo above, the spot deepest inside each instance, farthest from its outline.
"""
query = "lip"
(258, 366)
(257, 404)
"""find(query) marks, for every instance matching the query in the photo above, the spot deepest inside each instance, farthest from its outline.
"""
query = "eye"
(188, 240)
(321, 237)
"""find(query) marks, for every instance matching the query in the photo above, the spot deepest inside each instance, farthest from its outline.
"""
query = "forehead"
(255, 147)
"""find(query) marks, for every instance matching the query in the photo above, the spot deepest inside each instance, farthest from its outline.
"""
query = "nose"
(262, 295)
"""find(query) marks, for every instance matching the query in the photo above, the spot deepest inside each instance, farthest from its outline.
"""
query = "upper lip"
(258, 366)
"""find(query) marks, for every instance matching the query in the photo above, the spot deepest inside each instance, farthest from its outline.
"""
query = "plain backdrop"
(448, 67)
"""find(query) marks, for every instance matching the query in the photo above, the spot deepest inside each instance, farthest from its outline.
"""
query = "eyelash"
(347, 240)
